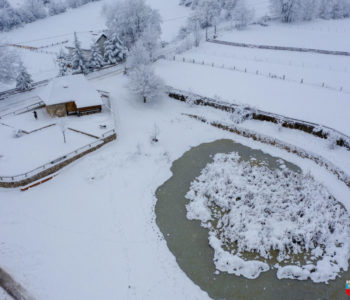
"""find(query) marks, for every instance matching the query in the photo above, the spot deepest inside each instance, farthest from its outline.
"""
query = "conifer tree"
(63, 62)
(24, 80)
(114, 50)
(78, 58)
(96, 59)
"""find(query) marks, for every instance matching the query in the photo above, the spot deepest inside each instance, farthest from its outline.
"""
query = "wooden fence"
(259, 73)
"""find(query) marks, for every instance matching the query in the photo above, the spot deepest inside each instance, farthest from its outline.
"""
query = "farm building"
(71, 95)
(87, 39)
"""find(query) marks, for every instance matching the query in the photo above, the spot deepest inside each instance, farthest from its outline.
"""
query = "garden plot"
(45, 141)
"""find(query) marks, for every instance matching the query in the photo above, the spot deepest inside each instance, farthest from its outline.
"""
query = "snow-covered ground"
(80, 235)
(90, 232)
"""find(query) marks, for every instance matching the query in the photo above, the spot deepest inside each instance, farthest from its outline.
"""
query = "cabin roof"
(71, 88)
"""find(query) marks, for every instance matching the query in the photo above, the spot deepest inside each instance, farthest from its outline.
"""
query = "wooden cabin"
(71, 95)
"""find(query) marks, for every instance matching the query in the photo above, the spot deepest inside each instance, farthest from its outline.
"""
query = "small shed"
(71, 95)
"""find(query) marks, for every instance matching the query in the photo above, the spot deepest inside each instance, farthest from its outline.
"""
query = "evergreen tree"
(63, 62)
(23, 80)
(96, 59)
(114, 50)
(78, 58)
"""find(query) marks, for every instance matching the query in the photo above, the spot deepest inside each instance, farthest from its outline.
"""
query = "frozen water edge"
(261, 210)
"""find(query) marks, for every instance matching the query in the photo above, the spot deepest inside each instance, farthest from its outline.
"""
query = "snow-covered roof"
(86, 39)
(71, 88)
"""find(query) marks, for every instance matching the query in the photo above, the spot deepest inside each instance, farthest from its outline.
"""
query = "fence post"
(302, 81)
(322, 84)
(183, 59)
(284, 77)
(245, 70)
(257, 72)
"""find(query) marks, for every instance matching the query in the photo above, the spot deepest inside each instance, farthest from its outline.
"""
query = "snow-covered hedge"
(249, 207)
(242, 112)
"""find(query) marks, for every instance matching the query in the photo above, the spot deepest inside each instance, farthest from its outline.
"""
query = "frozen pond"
(188, 241)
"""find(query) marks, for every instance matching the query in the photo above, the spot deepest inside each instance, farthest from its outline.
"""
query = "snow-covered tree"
(138, 55)
(96, 59)
(287, 10)
(209, 12)
(63, 63)
(24, 80)
(150, 41)
(56, 7)
(128, 19)
(114, 51)
(8, 64)
(144, 83)
(242, 14)
(32, 10)
(9, 17)
(194, 28)
(78, 58)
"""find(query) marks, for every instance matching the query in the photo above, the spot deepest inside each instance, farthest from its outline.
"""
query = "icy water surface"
(188, 241)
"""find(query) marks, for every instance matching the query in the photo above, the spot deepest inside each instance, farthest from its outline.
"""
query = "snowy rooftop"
(86, 39)
(71, 88)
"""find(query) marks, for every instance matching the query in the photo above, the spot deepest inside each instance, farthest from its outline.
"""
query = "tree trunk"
(144, 99)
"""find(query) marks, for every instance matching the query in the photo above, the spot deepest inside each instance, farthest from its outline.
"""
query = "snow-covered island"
(277, 214)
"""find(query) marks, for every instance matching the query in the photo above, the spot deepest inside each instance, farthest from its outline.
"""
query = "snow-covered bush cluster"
(249, 207)
(289, 11)
(32, 10)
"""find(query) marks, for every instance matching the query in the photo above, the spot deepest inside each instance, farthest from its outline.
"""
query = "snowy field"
(84, 239)
(318, 34)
